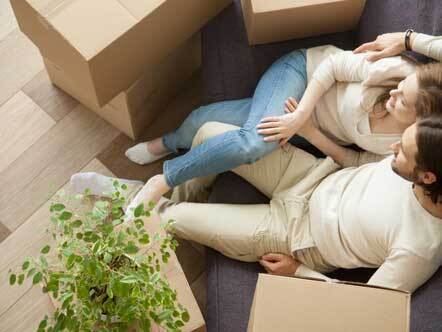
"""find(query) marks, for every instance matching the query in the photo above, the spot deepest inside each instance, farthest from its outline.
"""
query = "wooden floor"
(45, 137)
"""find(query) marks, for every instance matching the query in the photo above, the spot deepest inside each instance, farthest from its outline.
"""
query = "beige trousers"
(244, 232)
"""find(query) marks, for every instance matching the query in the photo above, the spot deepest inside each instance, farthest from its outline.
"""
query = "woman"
(346, 96)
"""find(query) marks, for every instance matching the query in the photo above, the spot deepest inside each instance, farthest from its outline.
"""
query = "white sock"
(140, 155)
(98, 184)
(141, 197)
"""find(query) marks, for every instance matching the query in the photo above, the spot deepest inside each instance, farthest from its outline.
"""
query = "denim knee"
(253, 147)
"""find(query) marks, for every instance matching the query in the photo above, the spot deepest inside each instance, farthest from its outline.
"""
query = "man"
(386, 214)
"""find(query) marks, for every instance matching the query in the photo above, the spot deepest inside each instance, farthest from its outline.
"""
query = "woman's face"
(401, 104)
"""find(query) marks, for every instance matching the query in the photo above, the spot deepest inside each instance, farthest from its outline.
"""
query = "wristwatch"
(408, 33)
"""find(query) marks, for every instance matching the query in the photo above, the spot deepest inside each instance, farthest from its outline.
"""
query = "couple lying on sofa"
(324, 214)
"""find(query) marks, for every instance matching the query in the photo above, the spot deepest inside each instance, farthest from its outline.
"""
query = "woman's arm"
(340, 67)
(343, 156)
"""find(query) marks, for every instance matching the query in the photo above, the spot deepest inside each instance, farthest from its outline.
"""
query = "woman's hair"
(429, 97)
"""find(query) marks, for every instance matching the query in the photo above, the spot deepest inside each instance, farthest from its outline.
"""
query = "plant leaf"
(107, 258)
(66, 215)
(185, 316)
(130, 279)
(57, 207)
(45, 249)
(37, 278)
(76, 224)
(139, 210)
(131, 248)
(12, 279)
(25, 265)
(21, 278)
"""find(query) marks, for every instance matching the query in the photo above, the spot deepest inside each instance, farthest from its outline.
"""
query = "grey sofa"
(231, 70)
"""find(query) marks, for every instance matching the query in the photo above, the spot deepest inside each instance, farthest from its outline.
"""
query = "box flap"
(283, 303)
(140, 8)
(260, 6)
(89, 26)
(354, 283)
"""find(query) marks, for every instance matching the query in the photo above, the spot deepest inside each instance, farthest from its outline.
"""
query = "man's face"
(405, 151)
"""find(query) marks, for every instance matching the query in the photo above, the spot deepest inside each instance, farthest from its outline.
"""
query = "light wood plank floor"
(46, 137)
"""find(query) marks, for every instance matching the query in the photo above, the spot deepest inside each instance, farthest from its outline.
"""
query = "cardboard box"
(271, 21)
(104, 45)
(294, 304)
(134, 109)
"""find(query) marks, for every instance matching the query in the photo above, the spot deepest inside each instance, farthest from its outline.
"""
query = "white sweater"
(369, 216)
(353, 86)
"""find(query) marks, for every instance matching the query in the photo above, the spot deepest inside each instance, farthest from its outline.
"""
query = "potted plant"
(102, 273)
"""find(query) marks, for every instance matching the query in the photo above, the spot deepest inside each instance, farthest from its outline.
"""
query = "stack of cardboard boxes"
(124, 59)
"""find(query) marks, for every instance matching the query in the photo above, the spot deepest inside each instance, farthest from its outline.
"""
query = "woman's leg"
(285, 78)
(234, 112)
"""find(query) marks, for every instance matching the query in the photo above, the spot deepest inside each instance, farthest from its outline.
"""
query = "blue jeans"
(287, 77)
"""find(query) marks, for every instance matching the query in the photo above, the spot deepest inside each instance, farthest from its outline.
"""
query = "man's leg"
(227, 228)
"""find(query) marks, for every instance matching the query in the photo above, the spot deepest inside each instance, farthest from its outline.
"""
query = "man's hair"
(429, 155)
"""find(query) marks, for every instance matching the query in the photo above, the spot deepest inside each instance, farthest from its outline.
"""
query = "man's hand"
(386, 45)
(279, 264)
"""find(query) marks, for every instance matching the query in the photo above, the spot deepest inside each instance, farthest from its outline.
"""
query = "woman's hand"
(281, 128)
(308, 129)
(386, 45)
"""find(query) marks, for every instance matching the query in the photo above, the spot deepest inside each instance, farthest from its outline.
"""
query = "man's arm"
(403, 270)
(392, 44)
(284, 265)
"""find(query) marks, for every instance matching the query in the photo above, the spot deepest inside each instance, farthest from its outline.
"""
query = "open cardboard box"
(271, 21)
(136, 108)
(286, 304)
(105, 45)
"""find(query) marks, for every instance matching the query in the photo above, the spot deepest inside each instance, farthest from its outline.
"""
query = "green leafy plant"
(104, 274)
